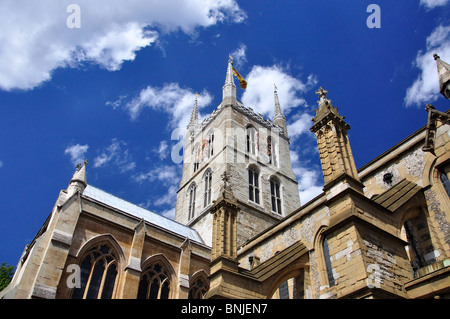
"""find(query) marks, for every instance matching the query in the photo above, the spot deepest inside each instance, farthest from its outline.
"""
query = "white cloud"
(309, 180)
(77, 153)
(169, 213)
(425, 88)
(177, 102)
(167, 177)
(431, 4)
(162, 150)
(169, 197)
(36, 40)
(259, 92)
(239, 55)
(116, 155)
(300, 124)
(166, 174)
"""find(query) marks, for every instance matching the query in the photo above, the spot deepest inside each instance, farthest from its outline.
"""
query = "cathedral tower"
(252, 151)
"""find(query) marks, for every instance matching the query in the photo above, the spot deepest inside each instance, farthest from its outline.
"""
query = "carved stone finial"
(322, 95)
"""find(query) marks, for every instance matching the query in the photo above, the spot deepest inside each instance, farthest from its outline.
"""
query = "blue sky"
(114, 89)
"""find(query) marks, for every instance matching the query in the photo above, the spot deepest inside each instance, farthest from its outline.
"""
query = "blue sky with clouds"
(114, 89)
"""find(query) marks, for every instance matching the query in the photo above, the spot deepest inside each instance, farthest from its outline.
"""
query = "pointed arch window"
(98, 272)
(198, 289)
(275, 195)
(251, 140)
(191, 210)
(207, 179)
(253, 184)
(154, 283)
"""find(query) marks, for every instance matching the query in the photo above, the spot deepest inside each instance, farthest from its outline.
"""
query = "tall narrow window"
(207, 188)
(210, 150)
(275, 195)
(251, 142)
(197, 154)
(272, 151)
(98, 272)
(192, 190)
(154, 283)
(253, 184)
(326, 254)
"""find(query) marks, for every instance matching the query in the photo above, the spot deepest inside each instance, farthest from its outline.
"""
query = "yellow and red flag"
(242, 82)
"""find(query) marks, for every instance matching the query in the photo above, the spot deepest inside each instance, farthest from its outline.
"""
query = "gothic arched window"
(275, 195)
(253, 184)
(98, 272)
(192, 190)
(207, 178)
(198, 289)
(251, 140)
(154, 283)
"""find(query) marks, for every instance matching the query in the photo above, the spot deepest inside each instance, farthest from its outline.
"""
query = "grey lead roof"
(140, 212)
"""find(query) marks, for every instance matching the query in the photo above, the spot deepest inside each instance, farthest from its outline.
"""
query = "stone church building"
(240, 230)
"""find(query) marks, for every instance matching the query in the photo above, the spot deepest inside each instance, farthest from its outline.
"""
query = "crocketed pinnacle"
(229, 88)
(193, 123)
(443, 69)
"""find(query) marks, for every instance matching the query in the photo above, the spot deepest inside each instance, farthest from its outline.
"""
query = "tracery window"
(198, 289)
(191, 210)
(253, 184)
(154, 283)
(98, 272)
(275, 195)
(207, 178)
